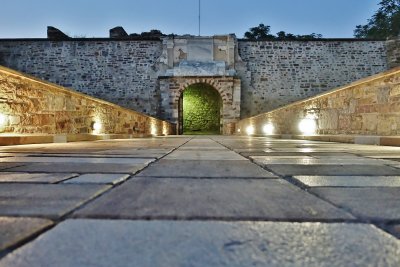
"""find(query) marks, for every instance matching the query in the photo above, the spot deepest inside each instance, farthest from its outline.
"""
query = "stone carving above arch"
(185, 56)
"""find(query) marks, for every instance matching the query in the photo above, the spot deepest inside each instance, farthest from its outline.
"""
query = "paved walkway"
(199, 201)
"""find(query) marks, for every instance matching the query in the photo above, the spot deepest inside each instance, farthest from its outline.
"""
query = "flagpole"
(199, 17)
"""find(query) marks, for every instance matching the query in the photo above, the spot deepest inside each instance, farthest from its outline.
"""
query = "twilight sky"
(94, 18)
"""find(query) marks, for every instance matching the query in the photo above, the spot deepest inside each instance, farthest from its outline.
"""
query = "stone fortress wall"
(126, 72)
(121, 72)
(279, 73)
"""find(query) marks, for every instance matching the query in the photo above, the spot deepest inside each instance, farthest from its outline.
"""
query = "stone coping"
(352, 139)
(95, 39)
(24, 139)
(318, 40)
(141, 38)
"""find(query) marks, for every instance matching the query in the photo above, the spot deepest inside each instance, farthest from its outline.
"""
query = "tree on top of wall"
(262, 32)
(383, 24)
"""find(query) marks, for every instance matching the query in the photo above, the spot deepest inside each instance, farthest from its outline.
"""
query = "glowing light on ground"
(250, 130)
(268, 128)
(308, 126)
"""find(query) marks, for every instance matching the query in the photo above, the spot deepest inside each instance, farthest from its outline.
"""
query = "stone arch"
(228, 87)
(208, 81)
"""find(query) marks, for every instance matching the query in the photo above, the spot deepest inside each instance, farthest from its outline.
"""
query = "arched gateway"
(200, 108)
(199, 60)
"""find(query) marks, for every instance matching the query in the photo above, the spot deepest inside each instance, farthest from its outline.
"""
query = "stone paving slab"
(79, 167)
(94, 155)
(210, 199)
(206, 169)
(44, 200)
(350, 181)
(146, 153)
(384, 156)
(79, 160)
(311, 150)
(325, 170)
(204, 155)
(377, 203)
(10, 154)
(306, 160)
(8, 165)
(13, 230)
(338, 155)
(98, 178)
(208, 148)
(24, 177)
(124, 243)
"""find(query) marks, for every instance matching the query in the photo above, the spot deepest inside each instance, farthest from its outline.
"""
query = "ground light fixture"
(250, 130)
(3, 120)
(308, 126)
(268, 128)
(96, 127)
(153, 130)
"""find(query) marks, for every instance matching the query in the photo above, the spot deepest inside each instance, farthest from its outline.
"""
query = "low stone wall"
(370, 106)
(32, 106)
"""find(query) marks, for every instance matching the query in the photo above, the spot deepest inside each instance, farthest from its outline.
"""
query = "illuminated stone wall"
(126, 72)
(201, 109)
(369, 106)
(31, 106)
(121, 72)
(281, 72)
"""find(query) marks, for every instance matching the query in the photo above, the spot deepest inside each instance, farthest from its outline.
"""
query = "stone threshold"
(352, 139)
(23, 139)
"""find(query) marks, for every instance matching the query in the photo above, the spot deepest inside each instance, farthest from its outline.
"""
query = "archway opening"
(201, 110)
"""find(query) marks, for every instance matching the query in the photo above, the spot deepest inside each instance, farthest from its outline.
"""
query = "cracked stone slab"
(24, 177)
(376, 203)
(353, 170)
(98, 178)
(8, 165)
(211, 199)
(350, 181)
(206, 168)
(79, 167)
(14, 230)
(45, 200)
(204, 155)
(121, 243)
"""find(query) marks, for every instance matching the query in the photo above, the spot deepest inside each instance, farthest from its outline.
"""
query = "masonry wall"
(370, 106)
(121, 72)
(281, 72)
(31, 106)
(125, 72)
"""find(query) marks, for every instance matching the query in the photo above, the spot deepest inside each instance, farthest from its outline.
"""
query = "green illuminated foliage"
(201, 109)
